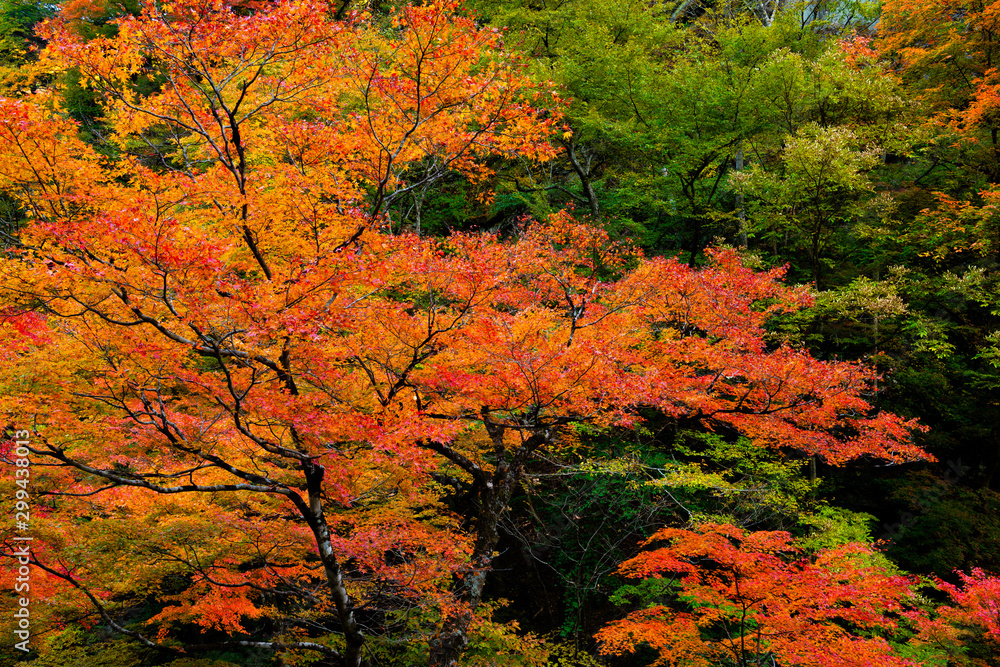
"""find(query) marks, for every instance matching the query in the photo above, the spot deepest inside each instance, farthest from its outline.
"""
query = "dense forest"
(500, 333)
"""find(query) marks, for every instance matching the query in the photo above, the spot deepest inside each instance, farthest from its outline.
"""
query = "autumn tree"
(717, 593)
(754, 598)
(948, 53)
(232, 212)
(967, 629)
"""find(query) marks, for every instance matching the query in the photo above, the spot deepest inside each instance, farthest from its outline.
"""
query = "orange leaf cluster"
(755, 598)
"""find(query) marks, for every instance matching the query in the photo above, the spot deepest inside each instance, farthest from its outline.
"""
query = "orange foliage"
(858, 51)
(957, 226)
(945, 49)
(756, 599)
(974, 616)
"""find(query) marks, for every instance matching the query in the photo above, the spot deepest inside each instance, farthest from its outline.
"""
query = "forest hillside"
(579, 333)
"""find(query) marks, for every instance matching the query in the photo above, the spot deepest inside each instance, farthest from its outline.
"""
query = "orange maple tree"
(948, 52)
(726, 595)
(972, 618)
(948, 55)
(241, 384)
(753, 598)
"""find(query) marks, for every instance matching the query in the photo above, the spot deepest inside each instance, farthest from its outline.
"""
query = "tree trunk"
(741, 212)
(315, 517)
(448, 646)
(695, 242)
(584, 175)
(496, 489)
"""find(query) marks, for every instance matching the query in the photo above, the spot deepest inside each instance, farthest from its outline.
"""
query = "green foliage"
(82, 647)
(835, 526)
(661, 116)
(566, 654)
(738, 481)
(493, 643)
(587, 518)
(17, 20)
(946, 526)
(820, 188)
(490, 642)
(652, 590)
(19, 43)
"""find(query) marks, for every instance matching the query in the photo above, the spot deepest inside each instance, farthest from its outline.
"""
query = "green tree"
(821, 187)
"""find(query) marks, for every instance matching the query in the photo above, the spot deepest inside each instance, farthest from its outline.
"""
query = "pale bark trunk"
(741, 212)
(314, 515)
